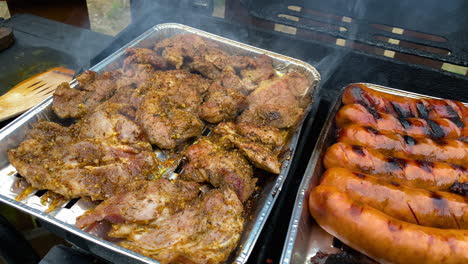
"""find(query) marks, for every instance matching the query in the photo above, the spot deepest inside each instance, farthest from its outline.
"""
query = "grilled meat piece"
(75, 103)
(221, 104)
(229, 79)
(278, 102)
(144, 56)
(209, 162)
(142, 201)
(168, 112)
(93, 157)
(167, 127)
(207, 231)
(259, 70)
(260, 144)
(184, 48)
(203, 56)
(272, 137)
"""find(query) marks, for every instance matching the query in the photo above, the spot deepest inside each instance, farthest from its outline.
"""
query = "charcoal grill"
(388, 48)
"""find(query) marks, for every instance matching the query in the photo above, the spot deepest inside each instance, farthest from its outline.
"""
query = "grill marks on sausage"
(362, 176)
(401, 112)
(451, 112)
(405, 123)
(358, 150)
(410, 141)
(374, 113)
(358, 93)
(393, 227)
(436, 130)
(422, 110)
(394, 183)
(456, 220)
(439, 202)
(460, 188)
(372, 130)
(396, 163)
(457, 121)
(412, 212)
(425, 165)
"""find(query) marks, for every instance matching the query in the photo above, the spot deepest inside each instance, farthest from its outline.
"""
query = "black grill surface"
(444, 22)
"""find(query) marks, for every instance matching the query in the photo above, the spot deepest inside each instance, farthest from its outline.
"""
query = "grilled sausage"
(404, 107)
(440, 128)
(417, 206)
(414, 173)
(382, 237)
(450, 151)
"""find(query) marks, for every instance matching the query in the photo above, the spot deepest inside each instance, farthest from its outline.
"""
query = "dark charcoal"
(460, 188)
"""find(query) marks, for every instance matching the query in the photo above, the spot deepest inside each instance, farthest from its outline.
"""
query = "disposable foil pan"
(63, 218)
(305, 237)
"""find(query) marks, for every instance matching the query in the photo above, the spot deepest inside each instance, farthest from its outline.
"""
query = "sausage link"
(440, 128)
(417, 206)
(414, 173)
(382, 237)
(450, 151)
(403, 106)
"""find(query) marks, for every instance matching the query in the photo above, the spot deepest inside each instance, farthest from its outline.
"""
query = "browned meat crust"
(277, 102)
(221, 104)
(260, 144)
(207, 231)
(209, 162)
(142, 201)
(92, 158)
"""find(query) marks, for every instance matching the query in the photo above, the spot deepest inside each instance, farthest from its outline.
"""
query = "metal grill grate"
(432, 33)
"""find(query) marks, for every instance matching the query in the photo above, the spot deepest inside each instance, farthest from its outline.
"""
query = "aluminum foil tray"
(62, 219)
(305, 237)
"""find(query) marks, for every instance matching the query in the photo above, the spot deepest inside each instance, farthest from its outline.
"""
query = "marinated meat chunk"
(261, 145)
(93, 157)
(280, 116)
(209, 162)
(142, 201)
(223, 61)
(75, 103)
(169, 111)
(260, 69)
(86, 77)
(136, 75)
(181, 89)
(144, 56)
(184, 47)
(206, 231)
(270, 136)
(229, 79)
(278, 102)
(167, 128)
(203, 56)
(221, 104)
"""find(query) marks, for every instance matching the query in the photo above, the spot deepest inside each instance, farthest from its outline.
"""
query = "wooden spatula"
(32, 91)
